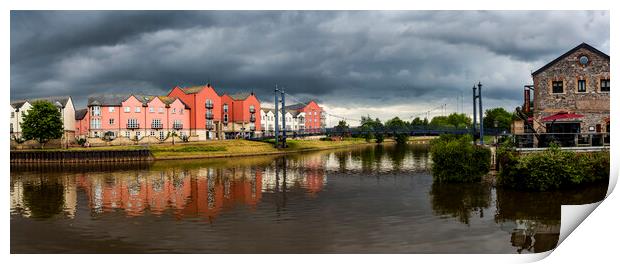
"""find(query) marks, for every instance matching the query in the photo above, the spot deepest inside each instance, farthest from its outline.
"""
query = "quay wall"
(80, 156)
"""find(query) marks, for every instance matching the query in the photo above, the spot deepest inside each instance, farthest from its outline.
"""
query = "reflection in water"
(313, 202)
(460, 200)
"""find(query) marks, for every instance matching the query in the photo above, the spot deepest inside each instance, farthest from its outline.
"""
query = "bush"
(81, 141)
(456, 159)
(369, 136)
(379, 138)
(551, 169)
(402, 138)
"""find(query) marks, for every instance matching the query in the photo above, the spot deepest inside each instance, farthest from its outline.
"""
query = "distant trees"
(42, 123)
(396, 124)
(454, 120)
(503, 118)
(418, 122)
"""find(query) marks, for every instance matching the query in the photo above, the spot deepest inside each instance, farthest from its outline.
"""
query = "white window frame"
(111, 109)
(138, 109)
(96, 111)
(161, 110)
(127, 109)
(111, 121)
(151, 109)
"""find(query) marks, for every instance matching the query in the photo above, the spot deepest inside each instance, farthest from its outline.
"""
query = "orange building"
(240, 115)
(314, 116)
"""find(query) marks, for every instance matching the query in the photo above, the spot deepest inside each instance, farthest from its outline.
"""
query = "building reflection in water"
(204, 190)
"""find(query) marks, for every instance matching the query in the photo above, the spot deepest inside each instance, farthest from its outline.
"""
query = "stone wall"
(593, 104)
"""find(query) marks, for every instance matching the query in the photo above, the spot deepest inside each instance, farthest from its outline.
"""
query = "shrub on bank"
(402, 138)
(551, 169)
(456, 159)
(379, 138)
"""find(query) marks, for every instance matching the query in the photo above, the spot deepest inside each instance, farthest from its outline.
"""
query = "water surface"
(377, 199)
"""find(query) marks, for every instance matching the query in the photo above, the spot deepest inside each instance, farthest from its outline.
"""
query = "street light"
(495, 122)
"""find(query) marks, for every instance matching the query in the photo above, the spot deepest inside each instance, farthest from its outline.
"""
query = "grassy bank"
(234, 148)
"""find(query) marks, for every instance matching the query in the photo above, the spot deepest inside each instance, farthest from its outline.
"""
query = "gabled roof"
(297, 106)
(240, 96)
(17, 104)
(80, 113)
(63, 100)
(295, 113)
(194, 89)
(118, 99)
(580, 46)
(170, 99)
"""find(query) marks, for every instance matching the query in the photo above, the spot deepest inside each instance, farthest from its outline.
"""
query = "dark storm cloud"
(355, 62)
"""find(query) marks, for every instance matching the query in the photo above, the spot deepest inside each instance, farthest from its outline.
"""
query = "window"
(161, 109)
(153, 133)
(127, 134)
(225, 118)
(127, 109)
(225, 108)
(132, 123)
(252, 109)
(111, 109)
(111, 121)
(581, 86)
(605, 85)
(156, 123)
(95, 123)
(174, 110)
(138, 134)
(11, 127)
(12, 114)
(96, 134)
(181, 111)
(96, 111)
(151, 110)
(557, 87)
(161, 135)
(137, 109)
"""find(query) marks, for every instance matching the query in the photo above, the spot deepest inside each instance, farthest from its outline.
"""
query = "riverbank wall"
(80, 156)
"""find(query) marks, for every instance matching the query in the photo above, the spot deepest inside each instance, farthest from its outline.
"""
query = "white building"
(295, 121)
(63, 103)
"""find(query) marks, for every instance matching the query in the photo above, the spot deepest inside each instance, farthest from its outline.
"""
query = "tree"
(503, 117)
(459, 120)
(42, 123)
(440, 121)
(395, 124)
(418, 122)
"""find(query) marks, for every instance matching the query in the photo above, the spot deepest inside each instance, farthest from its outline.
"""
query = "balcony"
(157, 125)
(133, 125)
(210, 127)
(252, 119)
(209, 116)
(225, 121)
(209, 105)
(177, 126)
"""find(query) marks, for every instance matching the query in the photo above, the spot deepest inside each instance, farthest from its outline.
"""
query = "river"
(372, 199)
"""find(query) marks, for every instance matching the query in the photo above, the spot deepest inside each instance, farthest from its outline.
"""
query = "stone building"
(571, 93)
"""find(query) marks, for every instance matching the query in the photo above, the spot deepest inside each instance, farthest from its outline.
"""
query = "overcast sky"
(380, 64)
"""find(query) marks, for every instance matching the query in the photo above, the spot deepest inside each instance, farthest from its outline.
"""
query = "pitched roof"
(240, 96)
(192, 89)
(80, 113)
(170, 99)
(580, 46)
(293, 112)
(117, 99)
(17, 104)
(297, 106)
(63, 100)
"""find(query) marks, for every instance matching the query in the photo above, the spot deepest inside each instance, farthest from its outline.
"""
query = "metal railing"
(133, 125)
(209, 105)
(542, 140)
(157, 126)
(209, 115)
(177, 126)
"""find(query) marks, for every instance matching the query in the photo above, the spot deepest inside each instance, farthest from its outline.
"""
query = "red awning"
(559, 116)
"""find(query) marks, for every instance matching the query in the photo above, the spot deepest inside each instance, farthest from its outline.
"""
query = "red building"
(240, 115)
(82, 121)
(314, 116)
(205, 117)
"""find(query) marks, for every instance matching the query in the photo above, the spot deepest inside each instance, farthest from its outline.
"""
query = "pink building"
(136, 116)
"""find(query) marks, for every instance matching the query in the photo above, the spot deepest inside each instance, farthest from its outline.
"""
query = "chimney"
(526, 99)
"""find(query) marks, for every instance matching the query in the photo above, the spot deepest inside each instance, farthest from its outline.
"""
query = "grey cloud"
(350, 59)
